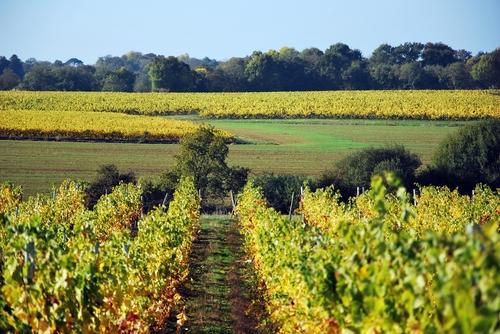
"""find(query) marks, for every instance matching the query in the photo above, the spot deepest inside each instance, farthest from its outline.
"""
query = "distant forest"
(406, 66)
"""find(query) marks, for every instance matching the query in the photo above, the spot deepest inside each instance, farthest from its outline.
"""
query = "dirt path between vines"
(219, 295)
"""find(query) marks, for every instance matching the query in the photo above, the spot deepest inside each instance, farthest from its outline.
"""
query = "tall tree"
(288, 54)
(41, 77)
(142, 82)
(312, 61)
(462, 55)
(231, 75)
(357, 76)
(384, 54)
(109, 63)
(121, 80)
(471, 155)
(336, 59)
(70, 78)
(46, 76)
(263, 71)
(385, 76)
(438, 54)
(195, 62)
(16, 66)
(409, 52)
(457, 76)
(4, 63)
(75, 62)
(170, 74)
(486, 69)
(202, 155)
(412, 76)
(8, 79)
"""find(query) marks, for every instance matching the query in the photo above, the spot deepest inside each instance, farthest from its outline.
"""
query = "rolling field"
(305, 147)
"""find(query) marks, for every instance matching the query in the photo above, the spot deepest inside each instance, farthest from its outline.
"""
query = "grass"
(208, 306)
(304, 146)
(215, 295)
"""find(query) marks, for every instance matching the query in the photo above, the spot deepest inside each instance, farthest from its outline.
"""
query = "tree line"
(406, 66)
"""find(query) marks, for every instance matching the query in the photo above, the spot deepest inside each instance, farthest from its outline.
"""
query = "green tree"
(457, 76)
(337, 59)
(194, 63)
(288, 54)
(384, 54)
(356, 76)
(229, 76)
(408, 52)
(486, 69)
(263, 71)
(75, 62)
(311, 58)
(170, 74)
(69, 78)
(438, 54)
(121, 80)
(4, 63)
(357, 169)
(385, 76)
(16, 65)
(412, 76)
(278, 190)
(41, 77)
(462, 55)
(202, 155)
(433, 77)
(109, 64)
(108, 177)
(142, 83)
(470, 156)
(9, 80)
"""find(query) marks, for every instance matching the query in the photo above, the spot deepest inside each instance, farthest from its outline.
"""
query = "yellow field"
(456, 104)
(38, 124)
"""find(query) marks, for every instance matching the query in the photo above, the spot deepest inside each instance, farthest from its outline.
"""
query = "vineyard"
(386, 261)
(382, 263)
(435, 104)
(228, 168)
(102, 126)
(66, 269)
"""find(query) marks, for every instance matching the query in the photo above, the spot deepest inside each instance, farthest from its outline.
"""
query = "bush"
(467, 157)
(357, 169)
(108, 177)
(278, 190)
(160, 190)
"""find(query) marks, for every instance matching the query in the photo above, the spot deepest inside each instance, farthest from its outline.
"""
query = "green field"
(305, 147)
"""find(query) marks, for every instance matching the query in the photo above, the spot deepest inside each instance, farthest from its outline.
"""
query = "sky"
(220, 29)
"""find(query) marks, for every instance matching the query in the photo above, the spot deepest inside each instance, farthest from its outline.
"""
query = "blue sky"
(87, 29)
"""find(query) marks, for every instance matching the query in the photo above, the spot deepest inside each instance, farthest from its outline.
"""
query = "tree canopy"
(357, 168)
(202, 156)
(467, 157)
(410, 65)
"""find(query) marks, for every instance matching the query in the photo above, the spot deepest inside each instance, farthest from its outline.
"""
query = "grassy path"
(218, 293)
